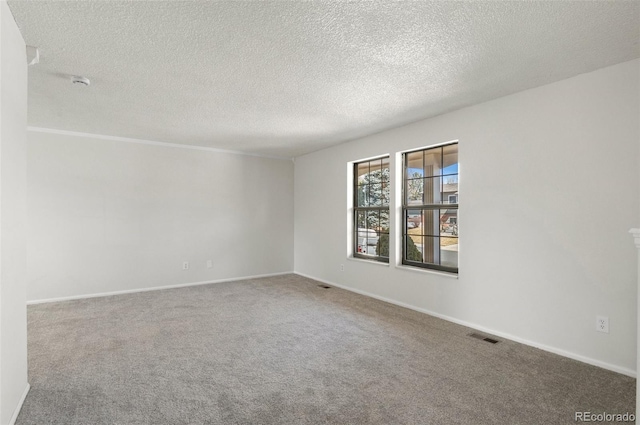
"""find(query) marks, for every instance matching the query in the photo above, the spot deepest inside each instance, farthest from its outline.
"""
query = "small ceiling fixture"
(80, 80)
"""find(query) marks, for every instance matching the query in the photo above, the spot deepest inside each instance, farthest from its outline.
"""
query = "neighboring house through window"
(371, 209)
(430, 208)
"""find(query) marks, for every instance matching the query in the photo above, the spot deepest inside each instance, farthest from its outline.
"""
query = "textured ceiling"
(286, 78)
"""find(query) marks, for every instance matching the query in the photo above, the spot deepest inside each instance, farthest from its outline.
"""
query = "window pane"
(430, 223)
(363, 195)
(374, 178)
(432, 190)
(382, 248)
(413, 248)
(449, 222)
(449, 252)
(386, 194)
(450, 159)
(373, 220)
(375, 167)
(372, 244)
(367, 241)
(414, 221)
(370, 187)
(362, 241)
(413, 191)
(363, 170)
(385, 170)
(375, 194)
(431, 249)
(384, 221)
(450, 189)
(413, 165)
(432, 162)
(361, 219)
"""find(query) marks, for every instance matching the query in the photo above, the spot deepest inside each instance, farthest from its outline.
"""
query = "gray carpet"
(283, 350)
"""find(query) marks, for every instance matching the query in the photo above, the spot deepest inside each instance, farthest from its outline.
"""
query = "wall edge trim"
(150, 142)
(18, 408)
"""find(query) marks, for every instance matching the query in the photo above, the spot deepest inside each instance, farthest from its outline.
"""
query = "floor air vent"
(484, 338)
(324, 286)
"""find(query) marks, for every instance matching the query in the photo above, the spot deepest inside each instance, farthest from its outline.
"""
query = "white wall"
(109, 216)
(13, 123)
(548, 192)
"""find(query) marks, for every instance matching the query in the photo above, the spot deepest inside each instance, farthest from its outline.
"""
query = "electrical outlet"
(602, 324)
(209, 264)
(185, 265)
(341, 267)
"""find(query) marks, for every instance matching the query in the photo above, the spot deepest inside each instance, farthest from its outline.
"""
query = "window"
(430, 208)
(371, 209)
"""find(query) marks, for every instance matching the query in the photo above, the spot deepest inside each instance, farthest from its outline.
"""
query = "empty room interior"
(319, 212)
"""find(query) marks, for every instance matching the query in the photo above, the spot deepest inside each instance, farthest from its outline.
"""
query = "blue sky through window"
(451, 169)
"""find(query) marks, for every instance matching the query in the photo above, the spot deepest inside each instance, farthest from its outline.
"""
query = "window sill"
(364, 260)
(427, 271)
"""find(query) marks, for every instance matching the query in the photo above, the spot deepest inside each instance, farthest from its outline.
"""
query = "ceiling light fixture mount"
(80, 80)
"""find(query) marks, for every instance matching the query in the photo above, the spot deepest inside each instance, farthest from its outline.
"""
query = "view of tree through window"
(430, 208)
(371, 209)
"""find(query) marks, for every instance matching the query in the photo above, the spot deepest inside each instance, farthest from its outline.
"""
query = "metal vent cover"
(483, 338)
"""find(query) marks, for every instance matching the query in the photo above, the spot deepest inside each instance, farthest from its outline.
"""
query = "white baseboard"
(16, 412)
(554, 350)
(154, 288)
